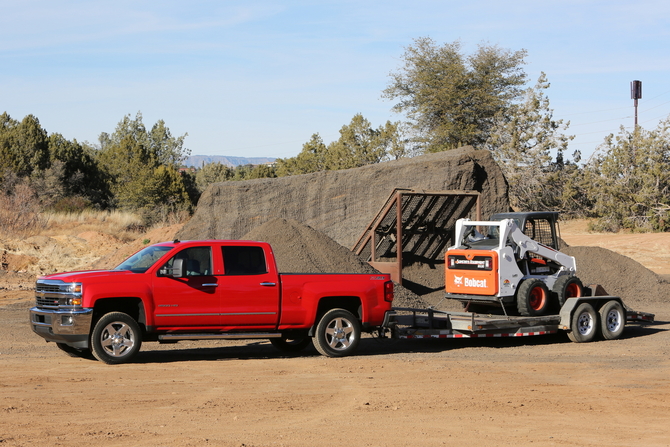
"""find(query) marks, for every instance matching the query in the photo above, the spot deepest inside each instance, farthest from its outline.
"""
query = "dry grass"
(122, 225)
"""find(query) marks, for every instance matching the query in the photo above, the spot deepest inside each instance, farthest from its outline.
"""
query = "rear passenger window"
(244, 260)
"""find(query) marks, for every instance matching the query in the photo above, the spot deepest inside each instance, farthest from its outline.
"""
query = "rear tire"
(567, 287)
(612, 320)
(291, 344)
(116, 338)
(584, 324)
(337, 334)
(532, 298)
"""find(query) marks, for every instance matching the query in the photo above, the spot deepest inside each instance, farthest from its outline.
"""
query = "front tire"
(567, 287)
(337, 334)
(532, 298)
(584, 324)
(612, 320)
(116, 338)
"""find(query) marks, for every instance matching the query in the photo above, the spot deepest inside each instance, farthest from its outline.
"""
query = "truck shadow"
(368, 347)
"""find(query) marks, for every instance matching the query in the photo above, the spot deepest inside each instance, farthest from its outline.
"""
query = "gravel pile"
(299, 248)
(619, 275)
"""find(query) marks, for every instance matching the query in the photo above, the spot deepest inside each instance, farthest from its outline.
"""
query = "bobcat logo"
(458, 280)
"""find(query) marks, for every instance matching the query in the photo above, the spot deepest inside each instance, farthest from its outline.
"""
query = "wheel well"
(128, 305)
(350, 303)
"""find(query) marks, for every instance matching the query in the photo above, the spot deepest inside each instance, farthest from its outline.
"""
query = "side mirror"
(178, 269)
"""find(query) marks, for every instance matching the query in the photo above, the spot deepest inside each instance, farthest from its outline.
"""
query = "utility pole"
(635, 94)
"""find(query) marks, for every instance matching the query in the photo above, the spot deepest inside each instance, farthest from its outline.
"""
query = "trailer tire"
(532, 298)
(612, 320)
(567, 287)
(116, 338)
(291, 344)
(337, 333)
(584, 324)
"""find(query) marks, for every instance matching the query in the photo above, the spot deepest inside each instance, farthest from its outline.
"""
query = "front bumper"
(71, 327)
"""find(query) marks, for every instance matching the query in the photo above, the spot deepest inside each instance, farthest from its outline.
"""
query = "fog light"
(67, 320)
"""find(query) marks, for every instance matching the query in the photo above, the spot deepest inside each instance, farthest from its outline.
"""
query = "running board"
(227, 336)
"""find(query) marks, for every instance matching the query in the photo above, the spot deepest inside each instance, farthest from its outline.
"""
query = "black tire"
(567, 287)
(291, 344)
(337, 334)
(612, 320)
(584, 324)
(116, 338)
(532, 298)
(74, 352)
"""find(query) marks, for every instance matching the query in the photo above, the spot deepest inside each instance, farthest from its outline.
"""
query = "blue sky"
(258, 78)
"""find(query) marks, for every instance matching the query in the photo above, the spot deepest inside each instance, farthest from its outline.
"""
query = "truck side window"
(244, 260)
(198, 261)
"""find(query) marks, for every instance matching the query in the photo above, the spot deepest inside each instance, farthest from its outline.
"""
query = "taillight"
(388, 291)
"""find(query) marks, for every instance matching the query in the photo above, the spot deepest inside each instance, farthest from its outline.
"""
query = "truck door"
(249, 291)
(191, 301)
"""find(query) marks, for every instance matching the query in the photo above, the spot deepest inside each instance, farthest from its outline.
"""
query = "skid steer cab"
(511, 261)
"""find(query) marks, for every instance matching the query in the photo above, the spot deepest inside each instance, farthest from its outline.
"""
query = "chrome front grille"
(52, 294)
(48, 302)
(40, 287)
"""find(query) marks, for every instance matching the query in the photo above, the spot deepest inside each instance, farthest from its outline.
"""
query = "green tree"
(312, 158)
(262, 171)
(629, 180)
(212, 173)
(524, 141)
(144, 167)
(359, 145)
(23, 145)
(452, 99)
(80, 174)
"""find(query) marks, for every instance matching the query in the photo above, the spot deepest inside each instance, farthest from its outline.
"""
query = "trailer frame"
(412, 323)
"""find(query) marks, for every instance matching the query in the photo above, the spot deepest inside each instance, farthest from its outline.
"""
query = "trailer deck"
(411, 323)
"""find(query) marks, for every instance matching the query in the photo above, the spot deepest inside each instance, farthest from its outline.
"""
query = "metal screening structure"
(427, 219)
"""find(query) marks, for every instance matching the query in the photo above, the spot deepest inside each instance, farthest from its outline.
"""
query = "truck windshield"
(143, 259)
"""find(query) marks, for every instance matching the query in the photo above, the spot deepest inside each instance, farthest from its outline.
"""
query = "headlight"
(74, 287)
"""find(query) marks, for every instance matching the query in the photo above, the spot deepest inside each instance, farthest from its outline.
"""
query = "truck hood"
(89, 275)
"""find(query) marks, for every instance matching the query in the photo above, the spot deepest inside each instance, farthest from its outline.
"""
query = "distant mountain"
(199, 160)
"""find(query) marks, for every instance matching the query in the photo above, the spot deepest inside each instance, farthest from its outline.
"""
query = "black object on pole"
(635, 94)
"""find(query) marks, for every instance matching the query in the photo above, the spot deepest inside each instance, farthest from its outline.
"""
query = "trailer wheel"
(584, 324)
(291, 344)
(567, 287)
(337, 333)
(116, 338)
(532, 298)
(612, 320)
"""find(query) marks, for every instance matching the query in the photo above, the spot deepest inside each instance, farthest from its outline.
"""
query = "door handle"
(210, 285)
(268, 284)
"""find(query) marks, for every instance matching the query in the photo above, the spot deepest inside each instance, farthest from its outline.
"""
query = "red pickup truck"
(204, 290)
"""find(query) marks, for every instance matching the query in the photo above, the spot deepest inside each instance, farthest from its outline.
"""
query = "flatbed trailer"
(584, 319)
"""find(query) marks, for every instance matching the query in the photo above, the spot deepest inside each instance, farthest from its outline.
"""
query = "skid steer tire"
(532, 298)
(567, 287)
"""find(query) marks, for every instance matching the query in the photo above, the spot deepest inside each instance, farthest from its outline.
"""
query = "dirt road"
(532, 391)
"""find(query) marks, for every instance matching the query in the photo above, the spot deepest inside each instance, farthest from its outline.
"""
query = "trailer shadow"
(368, 347)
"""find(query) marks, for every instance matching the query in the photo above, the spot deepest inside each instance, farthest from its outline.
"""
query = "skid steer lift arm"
(508, 231)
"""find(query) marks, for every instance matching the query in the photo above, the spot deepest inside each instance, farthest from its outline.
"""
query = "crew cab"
(203, 290)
